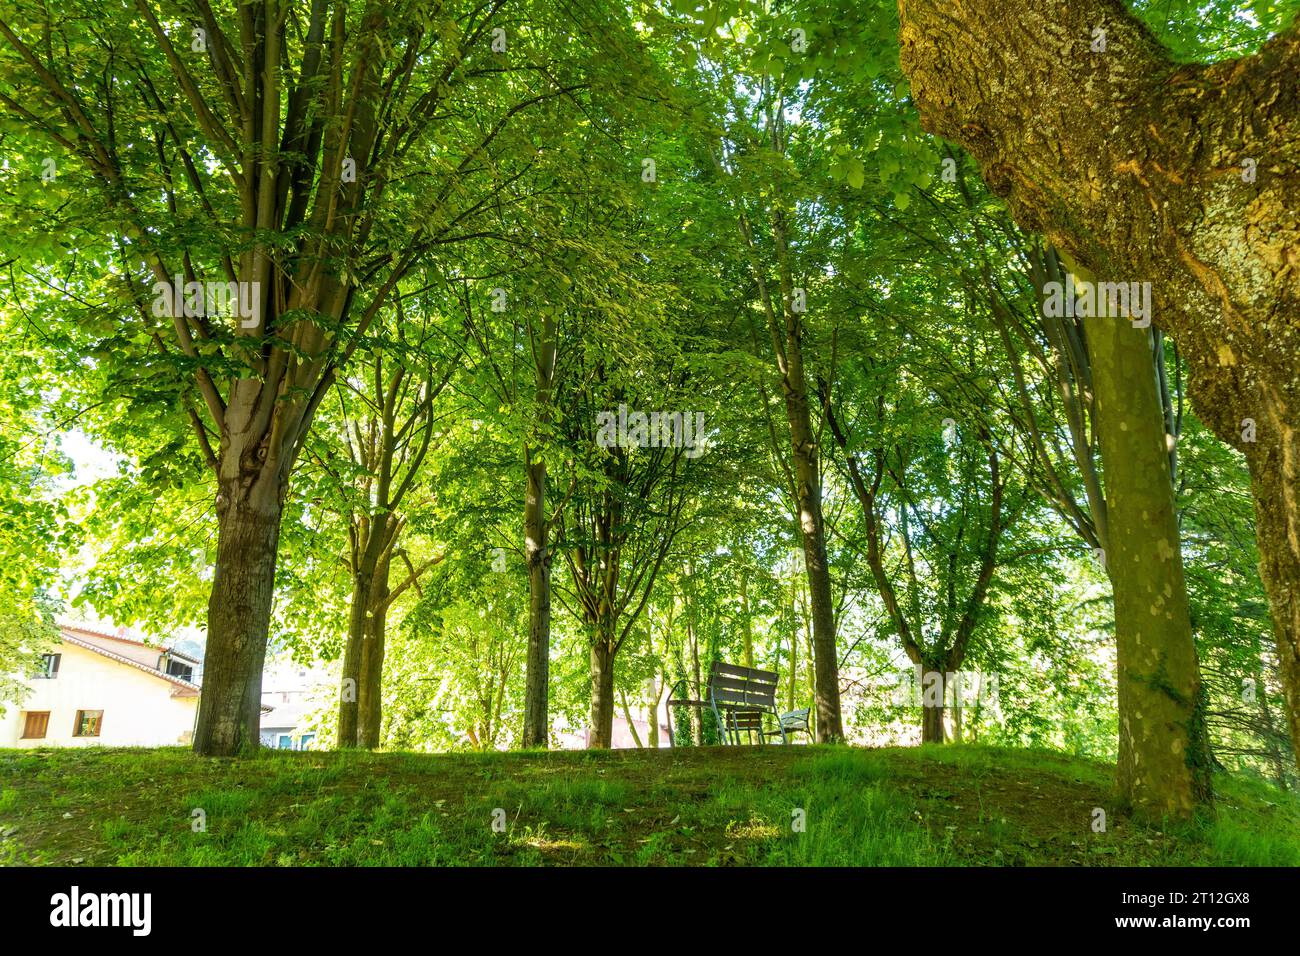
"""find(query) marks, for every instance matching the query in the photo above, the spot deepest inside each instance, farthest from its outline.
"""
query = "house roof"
(187, 688)
(127, 640)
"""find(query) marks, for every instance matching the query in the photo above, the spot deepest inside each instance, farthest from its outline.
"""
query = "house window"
(48, 668)
(88, 723)
(286, 742)
(35, 725)
(305, 743)
(183, 671)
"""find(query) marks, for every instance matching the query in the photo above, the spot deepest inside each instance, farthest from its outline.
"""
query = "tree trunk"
(631, 724)
(537, 554)
(794, 652)
(824, 653)
(1278, 533)
(1144, 169)
(813, 531)
(932, 720)
(748, 630)
(350, 691)
(1164, 765)
(652, 735)
(538, 558)
(239, 613)
(697, 714)
(602, 693)
(1266, 718)
(370, 688)
(958, 706)
(367, 557)
(787, 346)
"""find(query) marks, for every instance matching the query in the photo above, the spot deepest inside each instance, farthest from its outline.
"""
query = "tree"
(616, 531)
(294, 145)
(386, 428)
(1138, 168)
(756, 152)
(953, 533)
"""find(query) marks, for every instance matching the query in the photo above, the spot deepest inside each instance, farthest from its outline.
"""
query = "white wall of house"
(139, 709)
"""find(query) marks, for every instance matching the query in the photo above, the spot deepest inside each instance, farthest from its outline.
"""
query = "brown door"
(37, 722)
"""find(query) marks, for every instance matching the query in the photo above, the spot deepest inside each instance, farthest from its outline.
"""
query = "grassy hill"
(952, 805)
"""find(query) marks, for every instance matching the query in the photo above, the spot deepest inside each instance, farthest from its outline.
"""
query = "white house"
(288, 692)
(105, 689)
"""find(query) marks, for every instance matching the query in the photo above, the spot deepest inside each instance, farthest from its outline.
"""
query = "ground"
(934, 805)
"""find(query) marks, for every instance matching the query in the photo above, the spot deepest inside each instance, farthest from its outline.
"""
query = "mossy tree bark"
(1143, 169)
(1164, 759)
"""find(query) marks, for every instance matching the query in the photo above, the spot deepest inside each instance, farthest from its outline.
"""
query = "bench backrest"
(731, 685)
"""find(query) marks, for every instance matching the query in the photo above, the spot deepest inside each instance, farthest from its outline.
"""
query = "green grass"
(782, 806)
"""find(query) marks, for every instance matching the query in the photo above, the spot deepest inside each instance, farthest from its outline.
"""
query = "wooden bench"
(740, 698)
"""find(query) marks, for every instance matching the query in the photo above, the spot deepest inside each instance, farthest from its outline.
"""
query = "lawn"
(950, 805)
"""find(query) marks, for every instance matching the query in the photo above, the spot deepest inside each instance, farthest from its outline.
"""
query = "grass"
(802, 806)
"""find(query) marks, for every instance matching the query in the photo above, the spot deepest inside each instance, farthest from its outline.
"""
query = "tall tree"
(760, 152)
(386, 428)
(292, 140)
(1141, 168)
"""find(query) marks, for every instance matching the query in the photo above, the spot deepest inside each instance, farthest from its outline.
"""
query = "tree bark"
(794, 650)
(239, 612)
(370, 689)
(350, 691)
(537, 556)
(602, 694)
(932, 730)
(813, 530)
(371, 536)
(958, 707)
(747, 627)
(537, 553)
(631, 724)
(1143, 169)
(1164, 765)
(787, 345)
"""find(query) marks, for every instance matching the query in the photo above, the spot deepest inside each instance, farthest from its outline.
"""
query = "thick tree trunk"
(1143, 169)
(537, 555)
(1164, 763)
(370, 686)
(934, 689)
(602, 694)
(239, 613)
(932, 731)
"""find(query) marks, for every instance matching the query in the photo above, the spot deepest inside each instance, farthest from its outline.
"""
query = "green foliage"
(921, 300)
